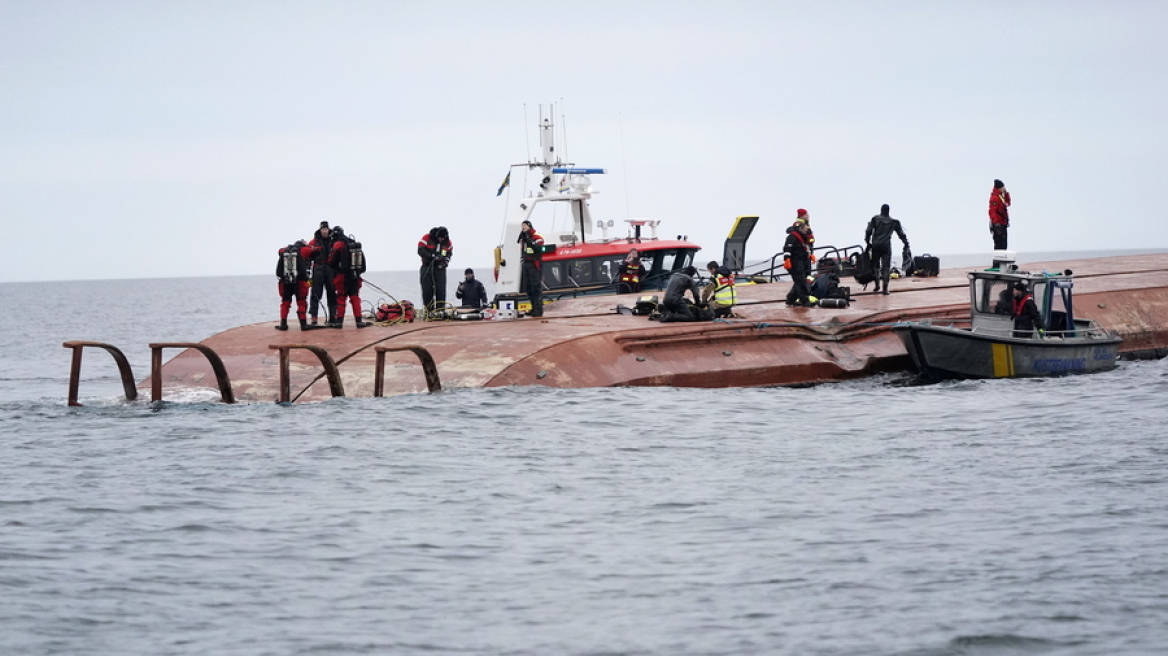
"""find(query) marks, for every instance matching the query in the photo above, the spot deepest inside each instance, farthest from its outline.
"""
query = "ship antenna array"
(621, 123)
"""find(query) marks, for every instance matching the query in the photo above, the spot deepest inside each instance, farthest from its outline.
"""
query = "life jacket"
(1020, 304)
(533, 249)
(724, 293)
(395, 312)
(291, 266)
(631, 274)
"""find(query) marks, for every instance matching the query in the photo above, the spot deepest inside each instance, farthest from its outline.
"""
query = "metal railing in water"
(124, 370)
(221, 378)
(433, 383)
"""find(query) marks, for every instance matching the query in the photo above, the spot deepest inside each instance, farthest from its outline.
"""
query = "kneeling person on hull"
(676, 309)
(719, 295)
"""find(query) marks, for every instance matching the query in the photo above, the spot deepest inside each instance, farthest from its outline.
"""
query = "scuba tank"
(290, 264)
(356, 257)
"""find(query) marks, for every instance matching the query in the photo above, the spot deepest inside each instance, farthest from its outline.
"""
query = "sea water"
(868, 517)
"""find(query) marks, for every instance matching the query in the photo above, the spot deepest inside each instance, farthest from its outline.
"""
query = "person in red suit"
(292, 270)
(999, 214)
(348, 262)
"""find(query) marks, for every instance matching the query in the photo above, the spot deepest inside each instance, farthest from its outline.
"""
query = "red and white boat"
(575, 262)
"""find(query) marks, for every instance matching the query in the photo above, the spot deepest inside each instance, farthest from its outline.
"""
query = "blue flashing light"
(579, 171)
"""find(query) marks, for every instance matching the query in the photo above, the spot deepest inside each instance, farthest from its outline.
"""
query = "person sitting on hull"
(878, 237)
(1027, 318)
(435, 249)
(348, 261)
(292, 271)
(628, 275)
(719, 295)
(531, 275)
(472, 292)
(322, 274)
(676, 307)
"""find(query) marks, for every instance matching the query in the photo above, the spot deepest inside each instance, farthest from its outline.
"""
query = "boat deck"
(583, 342)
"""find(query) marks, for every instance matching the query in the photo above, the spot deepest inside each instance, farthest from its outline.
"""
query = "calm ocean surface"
(869, 517)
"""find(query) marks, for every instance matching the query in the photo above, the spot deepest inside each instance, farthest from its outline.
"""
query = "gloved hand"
(787, 262)
(813, 258)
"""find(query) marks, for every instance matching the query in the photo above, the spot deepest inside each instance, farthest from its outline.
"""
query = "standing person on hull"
(999, 214)
(292, 270)
(797, 262)
(435, 249)
(531, 276)
(322, 274)
(878, 237)
(348, 261)
(471, 291)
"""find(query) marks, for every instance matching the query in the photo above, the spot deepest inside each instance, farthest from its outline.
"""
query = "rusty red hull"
(584, 343)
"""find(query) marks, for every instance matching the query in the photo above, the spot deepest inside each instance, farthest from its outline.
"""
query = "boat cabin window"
(581, 272)
(553, 275)
(996, 296)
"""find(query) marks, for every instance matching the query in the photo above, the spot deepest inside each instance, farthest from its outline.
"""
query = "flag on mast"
(506, 183)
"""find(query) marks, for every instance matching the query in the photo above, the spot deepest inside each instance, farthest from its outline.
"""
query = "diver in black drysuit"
(676, 309)
(879, 237)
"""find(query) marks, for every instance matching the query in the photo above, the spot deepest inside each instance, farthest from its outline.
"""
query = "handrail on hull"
(124, 370)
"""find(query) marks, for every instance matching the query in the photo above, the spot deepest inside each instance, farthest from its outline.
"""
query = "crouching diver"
(348, 261)
(676, 308)
(292, 271)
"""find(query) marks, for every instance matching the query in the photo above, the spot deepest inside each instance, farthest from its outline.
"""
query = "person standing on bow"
(999, 214)
(628, 274)
(472, 292)
(435, 249)
(292, 270)
(1027, 318)
(797, 262)
(531, 276)
(719, 295)
(878, 237)
(322, 274)
(348, 261)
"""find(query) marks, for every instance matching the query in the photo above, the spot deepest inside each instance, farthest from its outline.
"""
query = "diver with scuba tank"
(292, 271)
(348, 262)
(435, 249)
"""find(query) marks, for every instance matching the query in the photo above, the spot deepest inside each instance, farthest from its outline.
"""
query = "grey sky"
(148, 139)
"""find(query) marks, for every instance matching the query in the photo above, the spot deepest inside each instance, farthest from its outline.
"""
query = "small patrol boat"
(574, 262)
(990, 347)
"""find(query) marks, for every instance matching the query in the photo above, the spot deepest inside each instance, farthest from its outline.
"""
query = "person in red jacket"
(292, 270)
(999, 214)
(348, 261)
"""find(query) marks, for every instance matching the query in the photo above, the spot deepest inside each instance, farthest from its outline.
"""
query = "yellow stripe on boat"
(1003, 360)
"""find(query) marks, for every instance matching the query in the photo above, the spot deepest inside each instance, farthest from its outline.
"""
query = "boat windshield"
(602, 270)
(996, 295)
